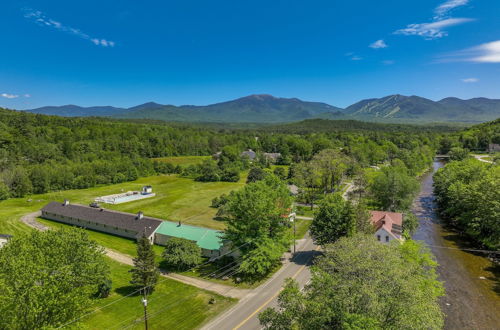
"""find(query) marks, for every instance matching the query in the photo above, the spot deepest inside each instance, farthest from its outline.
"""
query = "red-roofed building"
(388, 225)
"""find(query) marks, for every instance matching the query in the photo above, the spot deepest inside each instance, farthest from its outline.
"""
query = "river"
(471, 280)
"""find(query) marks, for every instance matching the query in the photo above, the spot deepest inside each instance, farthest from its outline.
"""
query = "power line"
(151, 315)
(135, 292)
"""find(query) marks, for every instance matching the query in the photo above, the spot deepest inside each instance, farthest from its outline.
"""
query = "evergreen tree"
(145, 273)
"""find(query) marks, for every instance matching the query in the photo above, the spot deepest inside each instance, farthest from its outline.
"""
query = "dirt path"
(30, 220)
(221, 289)
(481, 158)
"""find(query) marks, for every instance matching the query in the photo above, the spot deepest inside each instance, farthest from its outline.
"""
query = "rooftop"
(106, 217)
(208, 239)
(392, 222)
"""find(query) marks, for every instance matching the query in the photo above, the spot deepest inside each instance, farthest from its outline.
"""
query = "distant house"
(147, 190)
(493, 147)
(272, 156)
(216, 156)
(134, 226)
(250, 154)
(4, 239)
(388, 225)
(294, 190)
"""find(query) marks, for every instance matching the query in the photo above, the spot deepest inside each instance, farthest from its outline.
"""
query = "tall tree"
(145, 273)
(359, 283)
(49, 278)
(393, 188)
(256, 214)
(331, 166)
(335, 218)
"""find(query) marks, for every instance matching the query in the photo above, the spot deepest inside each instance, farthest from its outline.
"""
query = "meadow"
(173, 305)
(176, 199)
(184, 160)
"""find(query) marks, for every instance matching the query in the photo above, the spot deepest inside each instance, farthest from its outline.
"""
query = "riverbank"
(471, 280)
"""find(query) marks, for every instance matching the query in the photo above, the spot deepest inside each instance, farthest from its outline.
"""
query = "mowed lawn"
(183, 160)
(173, 305)
(176, 199)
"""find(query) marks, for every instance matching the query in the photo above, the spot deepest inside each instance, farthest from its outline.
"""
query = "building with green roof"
(209, 240)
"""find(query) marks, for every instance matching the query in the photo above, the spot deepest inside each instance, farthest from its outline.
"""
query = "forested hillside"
(40, 153)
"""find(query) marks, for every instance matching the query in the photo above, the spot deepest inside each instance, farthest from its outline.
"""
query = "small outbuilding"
(4, 239)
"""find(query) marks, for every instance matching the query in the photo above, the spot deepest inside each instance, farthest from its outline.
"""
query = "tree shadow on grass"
(127, 290)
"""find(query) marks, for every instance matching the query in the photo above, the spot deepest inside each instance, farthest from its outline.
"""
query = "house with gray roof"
(250, 154)
(134, 226)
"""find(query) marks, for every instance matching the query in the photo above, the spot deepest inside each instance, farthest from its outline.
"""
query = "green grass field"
(184, 160)
(176, 199)
(172, 305)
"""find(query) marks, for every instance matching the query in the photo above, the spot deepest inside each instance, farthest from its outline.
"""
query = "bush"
(181, 254)
(230, 175)
(104, 289)
(256, 174)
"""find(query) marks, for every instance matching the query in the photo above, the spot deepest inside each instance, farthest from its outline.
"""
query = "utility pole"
(145, 304)
(292, 219)
(294, 235)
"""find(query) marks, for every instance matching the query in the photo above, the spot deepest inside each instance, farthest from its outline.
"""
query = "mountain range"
(270, 109)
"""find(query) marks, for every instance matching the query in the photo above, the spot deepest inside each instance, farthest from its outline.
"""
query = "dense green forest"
(475, 138)
(468, 197)
(40, 153)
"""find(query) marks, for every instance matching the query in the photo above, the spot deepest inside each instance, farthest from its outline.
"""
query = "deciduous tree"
(361, 284)
(334, 218)
(181, 254)
(48, 278)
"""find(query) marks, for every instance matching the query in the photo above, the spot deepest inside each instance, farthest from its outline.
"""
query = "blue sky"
(124, 53)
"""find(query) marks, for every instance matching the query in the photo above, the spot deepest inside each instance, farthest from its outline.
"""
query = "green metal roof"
(205, 238)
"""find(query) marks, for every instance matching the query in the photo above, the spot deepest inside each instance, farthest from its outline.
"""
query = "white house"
(388, 225)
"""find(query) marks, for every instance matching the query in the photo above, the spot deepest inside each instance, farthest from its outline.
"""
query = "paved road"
(244, 315)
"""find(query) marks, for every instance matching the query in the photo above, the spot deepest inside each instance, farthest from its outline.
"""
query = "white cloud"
(9, 96)
(356, 58)
(470, 80)
(433, 30)
(378, 44)
(27, 95)
(447, 6)
(388, 62)
(40, 18)
(485, 53)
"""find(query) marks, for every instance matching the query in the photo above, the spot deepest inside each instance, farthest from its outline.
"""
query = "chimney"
(66, 202)
(139, 216)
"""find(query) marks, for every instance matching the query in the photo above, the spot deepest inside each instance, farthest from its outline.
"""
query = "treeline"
(41, 153)
(468, 195)
(476, 138)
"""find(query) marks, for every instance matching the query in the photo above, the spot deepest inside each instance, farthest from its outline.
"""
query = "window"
(387, 238)
(378, 237)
